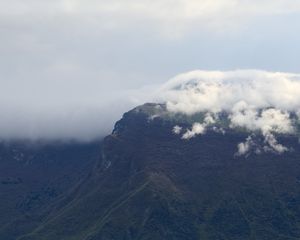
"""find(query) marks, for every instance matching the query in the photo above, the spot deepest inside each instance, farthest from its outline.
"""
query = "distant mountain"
(145, 182)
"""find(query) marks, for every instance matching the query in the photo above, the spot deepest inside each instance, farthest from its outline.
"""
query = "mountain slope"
(34, 176)
(149, 183)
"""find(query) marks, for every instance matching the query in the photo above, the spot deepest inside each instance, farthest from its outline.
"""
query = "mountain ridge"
(149, 183)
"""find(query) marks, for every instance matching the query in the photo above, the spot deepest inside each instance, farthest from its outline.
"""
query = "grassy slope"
(33, 178)
(157, 186)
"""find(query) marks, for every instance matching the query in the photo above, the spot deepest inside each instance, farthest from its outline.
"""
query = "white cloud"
(269, 120)
(253, 144)
(215, 91)
(197, 129)
(273, 145)
(254, 100)
(245, 147)
(177, 129)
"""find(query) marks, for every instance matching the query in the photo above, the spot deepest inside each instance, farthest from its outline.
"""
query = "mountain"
(144, 182)
(35, 176)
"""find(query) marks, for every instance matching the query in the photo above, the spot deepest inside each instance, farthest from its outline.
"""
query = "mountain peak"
(148, 182)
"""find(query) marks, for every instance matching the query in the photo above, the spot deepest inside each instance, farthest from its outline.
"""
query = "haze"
(70, 68)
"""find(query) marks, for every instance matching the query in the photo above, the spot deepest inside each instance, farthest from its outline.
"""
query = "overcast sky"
(70, 68)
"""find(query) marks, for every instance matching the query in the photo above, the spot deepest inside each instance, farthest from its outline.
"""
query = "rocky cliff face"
(149, 183)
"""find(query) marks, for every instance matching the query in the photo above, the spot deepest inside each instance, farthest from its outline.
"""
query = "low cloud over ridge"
(216, 91)
(255, 100)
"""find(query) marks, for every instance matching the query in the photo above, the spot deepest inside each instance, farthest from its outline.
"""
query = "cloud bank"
(83, 117)
(258, 101)
(215, 91)
(67, 67)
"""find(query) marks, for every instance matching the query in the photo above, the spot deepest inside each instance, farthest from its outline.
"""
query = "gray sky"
(70, 68)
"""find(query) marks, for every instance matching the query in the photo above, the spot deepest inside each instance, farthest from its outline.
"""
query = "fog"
(69, 69)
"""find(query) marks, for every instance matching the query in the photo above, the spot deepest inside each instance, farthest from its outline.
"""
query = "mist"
(68, 70)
